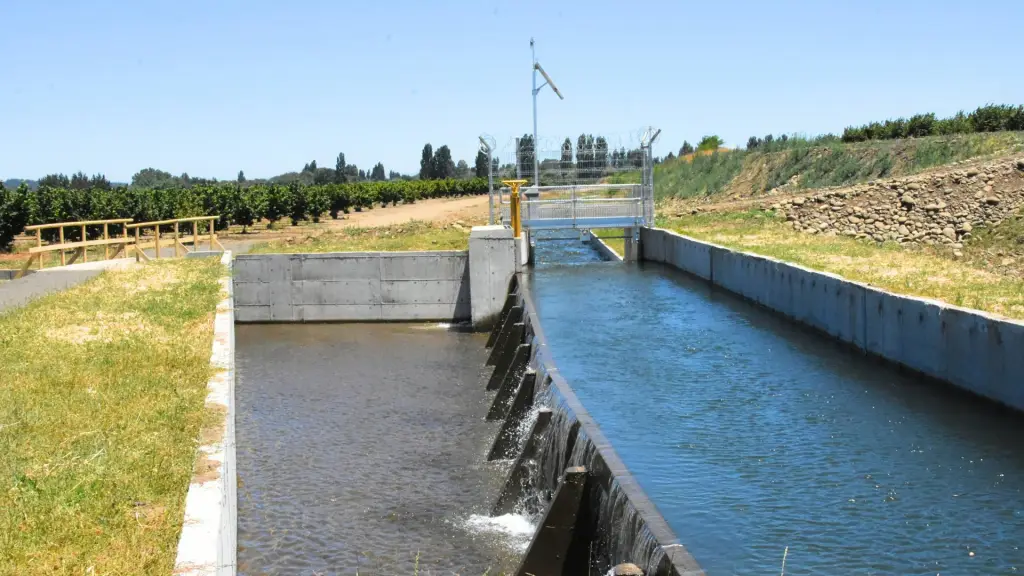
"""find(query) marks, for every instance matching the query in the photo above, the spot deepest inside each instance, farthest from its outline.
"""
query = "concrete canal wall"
(209, 532)
(451, 286)
(352, 286)
(967, 348)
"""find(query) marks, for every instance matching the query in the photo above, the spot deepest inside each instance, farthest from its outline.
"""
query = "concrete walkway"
(19, 292)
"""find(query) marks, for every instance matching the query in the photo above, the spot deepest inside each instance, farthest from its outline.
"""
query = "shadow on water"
(361, 449)
(752, 434)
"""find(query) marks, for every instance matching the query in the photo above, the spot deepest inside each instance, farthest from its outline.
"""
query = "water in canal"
(361, 449)
(752, 435)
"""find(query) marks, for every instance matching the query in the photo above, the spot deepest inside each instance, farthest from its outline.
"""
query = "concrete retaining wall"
(352, 286)
(606, 251)
(967, 348)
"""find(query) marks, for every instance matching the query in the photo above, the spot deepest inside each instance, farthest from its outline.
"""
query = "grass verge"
(101, 403)
(613, 238)
(918, 271)
(410, 236)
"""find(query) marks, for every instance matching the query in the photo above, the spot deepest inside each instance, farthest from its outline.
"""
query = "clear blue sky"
(209, 88)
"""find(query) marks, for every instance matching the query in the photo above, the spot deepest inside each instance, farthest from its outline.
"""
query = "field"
(101, 407)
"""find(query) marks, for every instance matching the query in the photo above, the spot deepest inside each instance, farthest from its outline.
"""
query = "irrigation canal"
(752, 435)
(361, 447)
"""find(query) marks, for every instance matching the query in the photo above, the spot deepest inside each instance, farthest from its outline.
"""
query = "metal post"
(514, 205)
(536, 161)
(490, 188)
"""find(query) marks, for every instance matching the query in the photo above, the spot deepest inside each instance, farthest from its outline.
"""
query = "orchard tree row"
(242, 205)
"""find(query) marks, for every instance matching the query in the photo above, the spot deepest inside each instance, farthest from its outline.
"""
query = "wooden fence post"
(63, 262)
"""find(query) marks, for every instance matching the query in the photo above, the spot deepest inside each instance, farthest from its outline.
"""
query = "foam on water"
(517, 529)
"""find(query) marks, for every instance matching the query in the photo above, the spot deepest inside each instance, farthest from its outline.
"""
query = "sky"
(214, 87)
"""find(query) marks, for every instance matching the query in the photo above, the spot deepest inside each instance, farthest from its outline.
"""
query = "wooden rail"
(80, 248)
(126, 243)
(177, 241)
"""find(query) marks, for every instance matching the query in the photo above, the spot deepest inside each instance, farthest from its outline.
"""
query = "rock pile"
(935, 208)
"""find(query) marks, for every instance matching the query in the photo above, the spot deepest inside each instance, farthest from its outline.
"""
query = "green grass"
(705, 175)
(411, 236)
(101, 404)
(606, 235)
(921, 271)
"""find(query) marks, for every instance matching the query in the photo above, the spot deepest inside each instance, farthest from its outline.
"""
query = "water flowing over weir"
(607, 520)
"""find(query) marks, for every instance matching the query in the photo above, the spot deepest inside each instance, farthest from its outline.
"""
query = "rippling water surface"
(752, 435)
(361, 448)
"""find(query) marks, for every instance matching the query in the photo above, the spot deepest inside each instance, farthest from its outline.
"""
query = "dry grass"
(918, 271)
(101, 403)
(412, 235)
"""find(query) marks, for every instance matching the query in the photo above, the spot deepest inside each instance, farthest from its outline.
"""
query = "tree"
(100, 182)
(565, 163)
(480, 164)
(524, 157)
(152, 178)
(79, 181)
(339, 169)
(241, 176)
(392, 175)
(377, 174)
(351, 173)
(57, 181)
(362, 175)
(709, 143)
(323, 176)
(600, 155)
(15, 211)
(442, 166)
(462, 170)
(687, 148)
(427, 162)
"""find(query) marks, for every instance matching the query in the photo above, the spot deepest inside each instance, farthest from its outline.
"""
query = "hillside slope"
(800, 164)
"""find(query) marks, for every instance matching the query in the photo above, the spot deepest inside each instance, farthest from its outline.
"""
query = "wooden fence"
(135, 244)
(176, 241)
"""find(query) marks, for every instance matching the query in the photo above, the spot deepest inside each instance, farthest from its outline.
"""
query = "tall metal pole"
(536, 161)
(490, 188)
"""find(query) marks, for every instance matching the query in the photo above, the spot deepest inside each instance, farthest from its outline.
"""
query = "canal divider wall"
(598, 515)
(967, 348)
(449, 286)
(208, 542)
(353, 287)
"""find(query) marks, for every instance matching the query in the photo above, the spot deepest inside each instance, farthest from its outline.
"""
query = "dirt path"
(427, 210)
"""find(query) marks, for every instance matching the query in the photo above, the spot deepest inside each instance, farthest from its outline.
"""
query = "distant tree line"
(990, 118)
(590, 159)
(234, 202)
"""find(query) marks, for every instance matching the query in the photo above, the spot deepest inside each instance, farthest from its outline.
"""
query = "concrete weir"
(594, 515)
(969, 349)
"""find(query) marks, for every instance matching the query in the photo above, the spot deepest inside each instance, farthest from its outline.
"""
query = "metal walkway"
(583, 207)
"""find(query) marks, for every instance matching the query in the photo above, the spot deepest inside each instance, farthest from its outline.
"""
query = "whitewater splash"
(517, 529)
